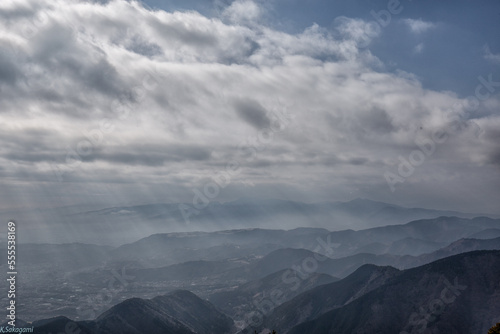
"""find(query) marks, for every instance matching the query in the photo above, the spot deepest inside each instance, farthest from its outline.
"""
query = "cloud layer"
(116, 103)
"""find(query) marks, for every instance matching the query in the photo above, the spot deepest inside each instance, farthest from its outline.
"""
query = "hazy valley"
(250, 279)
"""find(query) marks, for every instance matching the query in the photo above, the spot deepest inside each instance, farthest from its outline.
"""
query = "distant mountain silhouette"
(426, 234)
(182, 247)
(413, 238)
(457, 247)
(93, 226)
(486, 234)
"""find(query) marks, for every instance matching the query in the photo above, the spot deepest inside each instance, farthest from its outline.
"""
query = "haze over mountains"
(287, 279)
(120, 225)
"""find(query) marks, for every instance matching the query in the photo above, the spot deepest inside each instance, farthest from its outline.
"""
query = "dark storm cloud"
(147, 155)
(58, 50)
(330, 161)
(495, 157)
(132, 159)
(142, 47)
(102, 77)
(154, 155)
(358, 161)
(17, 12)
(493, 136)
(8, 70)
(252, 112)
(262, 164)
(26, 140)
(377, 120)
(29, 156)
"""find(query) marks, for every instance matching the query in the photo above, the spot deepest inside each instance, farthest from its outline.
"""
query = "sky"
(113, 103)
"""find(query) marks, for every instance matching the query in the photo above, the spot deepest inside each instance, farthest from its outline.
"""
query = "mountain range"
(457, 294)
(236, 270)
(127, 223)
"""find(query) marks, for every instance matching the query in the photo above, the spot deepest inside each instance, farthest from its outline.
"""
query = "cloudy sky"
(119, 102)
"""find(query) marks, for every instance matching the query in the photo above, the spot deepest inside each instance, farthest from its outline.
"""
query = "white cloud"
(243, 11)
(419, 26)
(182, 91)
(491, 56)
(419, 48)
(357, 29)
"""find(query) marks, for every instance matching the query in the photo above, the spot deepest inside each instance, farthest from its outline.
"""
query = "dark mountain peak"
(307, 230)
(437, 220)
(446, 222)
(58, 325)
(183, 299)
(181, 294)
(370, 269)
(179, 311)
(46, 321)
(128, 307)
(483, 219)
(321, 299)
(466, 279)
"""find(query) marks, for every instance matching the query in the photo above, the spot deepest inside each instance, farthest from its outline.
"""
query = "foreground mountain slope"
(179, 312)
(458, 294)
(324, 298)
(61, 325)
(272, 288)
